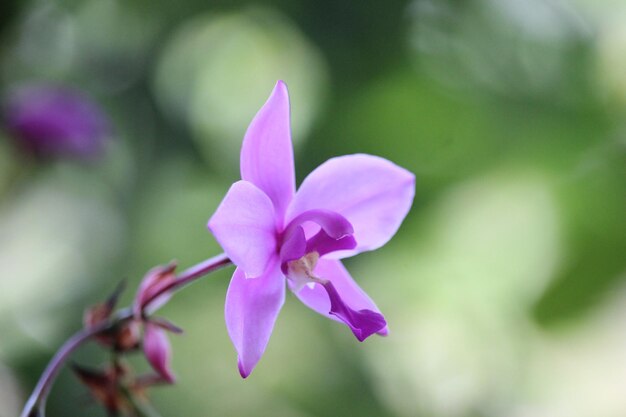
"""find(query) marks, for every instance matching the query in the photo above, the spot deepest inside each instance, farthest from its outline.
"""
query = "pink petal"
(373, 194)
(267, 152)
(158, 352)
(351, 295)
(252, 305)
(244, 225)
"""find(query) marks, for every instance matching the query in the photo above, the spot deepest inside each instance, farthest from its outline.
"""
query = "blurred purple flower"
(348, 205)
(51, 121)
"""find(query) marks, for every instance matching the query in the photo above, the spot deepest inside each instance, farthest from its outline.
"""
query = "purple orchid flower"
(50, 121)
(273, 234)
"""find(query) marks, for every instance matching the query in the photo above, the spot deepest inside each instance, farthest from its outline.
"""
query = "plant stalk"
(35, 406)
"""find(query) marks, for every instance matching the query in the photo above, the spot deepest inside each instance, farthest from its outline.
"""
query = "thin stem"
(37, 400)
(41, 391)
(192, 274)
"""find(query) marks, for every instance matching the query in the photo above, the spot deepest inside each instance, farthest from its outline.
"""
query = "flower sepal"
(116, 388)
(122, 337)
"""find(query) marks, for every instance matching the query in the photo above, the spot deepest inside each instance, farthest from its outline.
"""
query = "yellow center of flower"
(301, 270)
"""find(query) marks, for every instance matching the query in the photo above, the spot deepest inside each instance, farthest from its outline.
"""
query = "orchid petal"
(371, 192)
(267, 153)
(348, 294)
(252, 305)
(158, 352)
(244, 225)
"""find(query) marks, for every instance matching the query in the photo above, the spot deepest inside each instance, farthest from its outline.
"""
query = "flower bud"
(155, 280)
(158, 351)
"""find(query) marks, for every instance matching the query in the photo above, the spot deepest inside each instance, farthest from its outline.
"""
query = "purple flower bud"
(55, 122)
(158, 352)
(158, 278)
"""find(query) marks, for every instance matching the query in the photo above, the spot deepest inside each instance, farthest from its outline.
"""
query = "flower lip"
(333, 223)
(335, 234)
(323, 244)
(363, 323)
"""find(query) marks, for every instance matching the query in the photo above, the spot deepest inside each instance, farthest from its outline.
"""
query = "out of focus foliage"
(505, 289)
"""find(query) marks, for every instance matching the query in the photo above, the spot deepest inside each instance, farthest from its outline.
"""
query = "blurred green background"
(505, 289)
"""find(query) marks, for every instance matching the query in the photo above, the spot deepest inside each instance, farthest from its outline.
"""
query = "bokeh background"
(505, 289)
